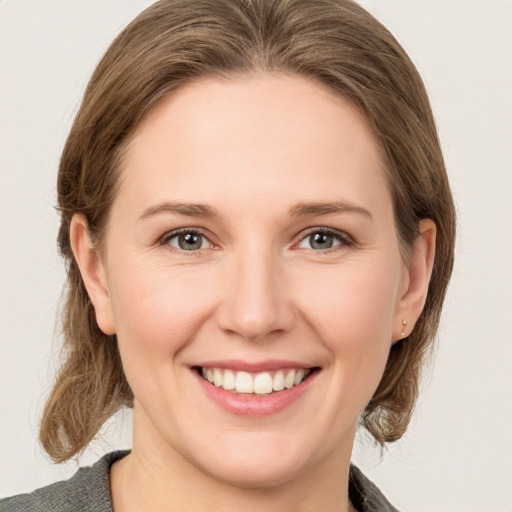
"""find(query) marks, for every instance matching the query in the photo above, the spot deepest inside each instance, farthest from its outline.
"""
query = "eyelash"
(343, 238)
(173, 234)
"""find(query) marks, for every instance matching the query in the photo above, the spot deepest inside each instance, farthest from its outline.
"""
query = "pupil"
(321, 241)
(190, 241)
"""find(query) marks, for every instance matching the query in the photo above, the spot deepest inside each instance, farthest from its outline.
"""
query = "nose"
(255, 303)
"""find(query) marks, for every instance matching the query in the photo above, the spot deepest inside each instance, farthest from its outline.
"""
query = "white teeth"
(289, 380)
(263, 383)
(244, 383)
(229, 380)
(299, 376)
(260, 383)
(217, 377)
(278, 382)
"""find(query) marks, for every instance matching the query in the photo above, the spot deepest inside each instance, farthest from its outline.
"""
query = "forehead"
(219, 139)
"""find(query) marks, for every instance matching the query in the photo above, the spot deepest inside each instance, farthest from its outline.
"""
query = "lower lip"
(255, 405)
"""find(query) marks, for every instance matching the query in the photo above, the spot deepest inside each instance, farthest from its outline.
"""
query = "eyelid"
(163, 240)
(345, 239)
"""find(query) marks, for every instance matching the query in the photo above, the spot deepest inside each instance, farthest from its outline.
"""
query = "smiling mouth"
(260, 383)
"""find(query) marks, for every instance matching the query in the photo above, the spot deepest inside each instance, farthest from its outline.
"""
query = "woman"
(259, 232)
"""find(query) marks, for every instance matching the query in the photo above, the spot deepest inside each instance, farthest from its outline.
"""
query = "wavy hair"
(174, 42)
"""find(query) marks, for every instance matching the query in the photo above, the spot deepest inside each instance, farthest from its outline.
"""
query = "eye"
(187, 241)
(323, 240)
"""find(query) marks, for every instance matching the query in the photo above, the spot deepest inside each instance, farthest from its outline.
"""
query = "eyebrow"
(187, 209)
(299, 209)
(318, 208)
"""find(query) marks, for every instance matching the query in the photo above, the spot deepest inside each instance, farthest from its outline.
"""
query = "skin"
(250, 148)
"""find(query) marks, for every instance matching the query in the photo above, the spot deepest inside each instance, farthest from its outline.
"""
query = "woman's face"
(252, 243)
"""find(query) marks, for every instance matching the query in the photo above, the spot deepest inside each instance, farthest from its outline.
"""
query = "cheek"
(352, 310)
(354, 294)
(157, 310)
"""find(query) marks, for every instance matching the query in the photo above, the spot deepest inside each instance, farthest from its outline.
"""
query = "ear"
(416, 280)
(93, 273)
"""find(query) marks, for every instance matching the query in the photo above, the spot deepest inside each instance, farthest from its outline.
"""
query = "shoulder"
(87, 491)
(365, 495)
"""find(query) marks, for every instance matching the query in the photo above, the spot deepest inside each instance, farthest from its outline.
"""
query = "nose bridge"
(256, 303)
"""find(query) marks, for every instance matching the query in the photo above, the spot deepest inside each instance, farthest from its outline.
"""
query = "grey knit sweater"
(88, 491)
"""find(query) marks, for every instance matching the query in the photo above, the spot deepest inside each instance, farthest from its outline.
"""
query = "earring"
(404, 325)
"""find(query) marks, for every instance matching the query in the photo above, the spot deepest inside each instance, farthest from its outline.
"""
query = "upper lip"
(253, 366)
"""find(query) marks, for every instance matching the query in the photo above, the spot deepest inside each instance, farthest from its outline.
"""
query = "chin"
(257, 465)
(256, 476)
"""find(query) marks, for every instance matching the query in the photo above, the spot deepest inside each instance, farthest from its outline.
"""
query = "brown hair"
(174, 42)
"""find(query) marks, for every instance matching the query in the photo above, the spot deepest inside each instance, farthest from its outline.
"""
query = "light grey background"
(457, 455)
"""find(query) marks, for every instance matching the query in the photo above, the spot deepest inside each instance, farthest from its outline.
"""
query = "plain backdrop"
(457, 455)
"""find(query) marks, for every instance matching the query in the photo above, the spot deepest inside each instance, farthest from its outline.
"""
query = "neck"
(135, 486)
(158, 478)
